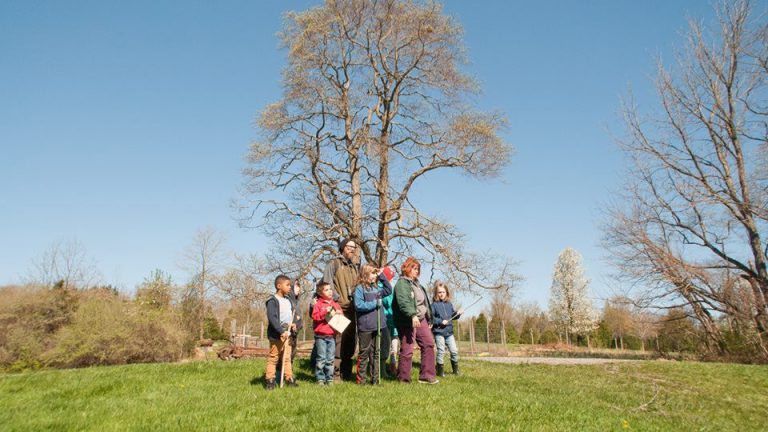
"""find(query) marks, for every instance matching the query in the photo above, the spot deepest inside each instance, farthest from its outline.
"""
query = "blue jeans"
(441, 341)
(325, 347)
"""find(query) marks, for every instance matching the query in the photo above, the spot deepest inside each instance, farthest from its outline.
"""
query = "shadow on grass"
(258, 380)
(301, 372)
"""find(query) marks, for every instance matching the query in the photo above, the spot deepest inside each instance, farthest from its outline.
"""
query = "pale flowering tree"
(569, 305)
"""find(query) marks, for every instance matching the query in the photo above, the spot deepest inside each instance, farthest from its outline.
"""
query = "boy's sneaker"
(321, 383)
(429, 381)
(291, 382)
(270, 385)
(329, 382)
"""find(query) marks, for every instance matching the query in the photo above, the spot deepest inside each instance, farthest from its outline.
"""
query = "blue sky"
(124, 125)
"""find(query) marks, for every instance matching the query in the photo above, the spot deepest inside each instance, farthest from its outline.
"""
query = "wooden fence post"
(472, 335)
(488, 334)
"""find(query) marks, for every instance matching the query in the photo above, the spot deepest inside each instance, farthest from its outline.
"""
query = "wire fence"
(473, 337)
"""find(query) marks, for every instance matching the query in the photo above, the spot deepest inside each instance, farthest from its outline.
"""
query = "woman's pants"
(409, 338)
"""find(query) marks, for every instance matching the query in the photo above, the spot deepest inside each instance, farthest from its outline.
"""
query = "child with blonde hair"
(443, 316)
(371, 322)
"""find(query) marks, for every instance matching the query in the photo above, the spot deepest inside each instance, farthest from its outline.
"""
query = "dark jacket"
(404, 303)
(275, 329)
(297, 315)
(366, 306)
(442, 310)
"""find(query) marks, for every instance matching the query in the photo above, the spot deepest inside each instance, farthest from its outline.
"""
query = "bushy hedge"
(29, 319)
(67, 328)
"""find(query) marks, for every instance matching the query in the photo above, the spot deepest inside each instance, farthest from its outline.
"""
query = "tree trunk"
(353, 150)
(382, 187)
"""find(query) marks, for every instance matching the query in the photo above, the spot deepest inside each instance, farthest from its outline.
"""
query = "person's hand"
(329, 310)
(445, 322)
(293, 327)
(285, 336)
(415, 322)
(378, 303)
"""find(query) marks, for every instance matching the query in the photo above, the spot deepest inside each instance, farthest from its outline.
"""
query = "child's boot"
(455, 367)
(270, 384)
(441, 370)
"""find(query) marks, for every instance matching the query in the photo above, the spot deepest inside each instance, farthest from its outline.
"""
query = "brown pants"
(278, 350)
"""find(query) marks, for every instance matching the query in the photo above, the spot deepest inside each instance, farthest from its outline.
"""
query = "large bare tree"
(693, 229)
(374, 100)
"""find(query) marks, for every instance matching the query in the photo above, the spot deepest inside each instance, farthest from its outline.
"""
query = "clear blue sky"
(124, 124)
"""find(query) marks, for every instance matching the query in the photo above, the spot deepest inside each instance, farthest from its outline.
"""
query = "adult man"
(342, 274)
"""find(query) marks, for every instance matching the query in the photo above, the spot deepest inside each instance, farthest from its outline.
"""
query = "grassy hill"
(220, 395)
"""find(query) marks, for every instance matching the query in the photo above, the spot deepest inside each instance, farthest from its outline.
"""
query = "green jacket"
(404, 303)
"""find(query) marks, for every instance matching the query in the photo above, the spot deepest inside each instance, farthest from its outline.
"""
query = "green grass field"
(229, 396)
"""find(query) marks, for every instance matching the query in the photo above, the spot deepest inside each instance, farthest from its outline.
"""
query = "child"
(370, 321)
(442, 327)
(297, 320)
(280, 315)
(325, 341)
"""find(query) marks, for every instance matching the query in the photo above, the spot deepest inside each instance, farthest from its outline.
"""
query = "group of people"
(386, 323)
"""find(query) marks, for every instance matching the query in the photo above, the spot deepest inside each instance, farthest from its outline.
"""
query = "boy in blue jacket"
(280, 313)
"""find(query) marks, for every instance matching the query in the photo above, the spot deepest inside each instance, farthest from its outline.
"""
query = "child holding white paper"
(325, 341)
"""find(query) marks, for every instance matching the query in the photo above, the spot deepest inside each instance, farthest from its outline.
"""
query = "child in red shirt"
(325, 341)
